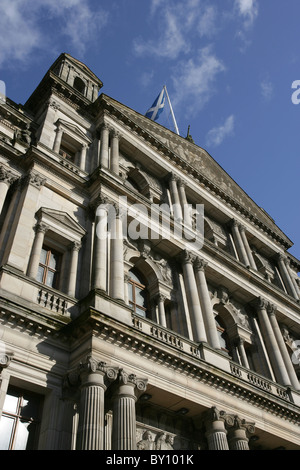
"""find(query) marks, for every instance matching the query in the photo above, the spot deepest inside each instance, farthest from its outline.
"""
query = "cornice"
(172, 356)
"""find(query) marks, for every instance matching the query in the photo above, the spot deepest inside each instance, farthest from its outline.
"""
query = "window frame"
(142, 286)
(47, 268)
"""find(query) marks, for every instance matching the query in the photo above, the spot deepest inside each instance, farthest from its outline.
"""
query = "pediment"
(61, 219)
(198, 161)
(73, 129)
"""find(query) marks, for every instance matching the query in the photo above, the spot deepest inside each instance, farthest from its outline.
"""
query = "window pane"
(130, 296)
(43, 256)
(53, 261)
(50, 278)
(40, 274)
(11, 402)
(22, 435)
(140, 297)
(6, 427)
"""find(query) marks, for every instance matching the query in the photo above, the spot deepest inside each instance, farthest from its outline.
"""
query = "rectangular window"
(48, 272)
(19, 424)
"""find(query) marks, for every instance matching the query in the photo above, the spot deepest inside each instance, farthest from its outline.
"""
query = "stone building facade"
(124, 331)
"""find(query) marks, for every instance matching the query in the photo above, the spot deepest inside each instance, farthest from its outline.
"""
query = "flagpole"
(172, 113)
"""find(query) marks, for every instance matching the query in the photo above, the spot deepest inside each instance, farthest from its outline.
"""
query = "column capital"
(172, 177)
(200, 264)
(271, 309)
(131, 379)
(260, 303)
(34, 179)
(5, 360)
(234, 223)
(186, 257)
(116, 134)
(234, 422)
(41, 227)
(6, 176)
(161, 297)
(75, 246)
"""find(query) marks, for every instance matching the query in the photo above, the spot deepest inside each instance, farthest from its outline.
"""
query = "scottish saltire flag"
(157, 107)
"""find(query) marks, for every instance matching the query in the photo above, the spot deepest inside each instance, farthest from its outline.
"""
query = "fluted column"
(74, 249)
(92, 375)
(193, 298)
(239, 242)
(271, 343)
(206, 307)
(126, 392)
(247, 247)
(57, 140)
(104, 149)
(286, 276)
(116, 258)
(282, 346)
(216, 433)
(37, 246)
(175, 198)
(238, 433)
(161, 310)
(99, 275)
(114, 163)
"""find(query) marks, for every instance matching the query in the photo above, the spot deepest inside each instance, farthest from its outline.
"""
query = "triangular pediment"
(61, 218)
(199, 162)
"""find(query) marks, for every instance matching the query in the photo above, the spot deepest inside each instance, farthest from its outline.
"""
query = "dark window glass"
(48, 272)
(137, 293)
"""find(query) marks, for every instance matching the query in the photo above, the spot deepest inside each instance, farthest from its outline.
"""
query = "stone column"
(193, 298)
(57, 140)
(206, 307)
(177, 212)
(104, 149)
(271, 343)
(242, 353)
(6, 180)
(282, 346)
(99, 279)
(239, 242)
(116, 258)
(37, 246)
(161, 309)
(92, 375)
(114, 162)
(247, 247)
(286, 275)
(238, 432)
(83, 153)
(216, 433)
(75, 247)
(126, 392)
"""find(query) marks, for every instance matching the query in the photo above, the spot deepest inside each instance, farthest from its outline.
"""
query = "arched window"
(137, 293)
(79, 85)
(223, 337)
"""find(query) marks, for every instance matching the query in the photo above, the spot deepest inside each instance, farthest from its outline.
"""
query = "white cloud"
(22, 26)
(216, 135)
(248, 10)
(194, 80)
(267, 89)
(176, 23)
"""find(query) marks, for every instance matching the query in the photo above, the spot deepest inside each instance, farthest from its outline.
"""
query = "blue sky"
(228, 65)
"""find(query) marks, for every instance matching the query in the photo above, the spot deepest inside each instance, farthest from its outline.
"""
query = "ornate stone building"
(124, 331)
